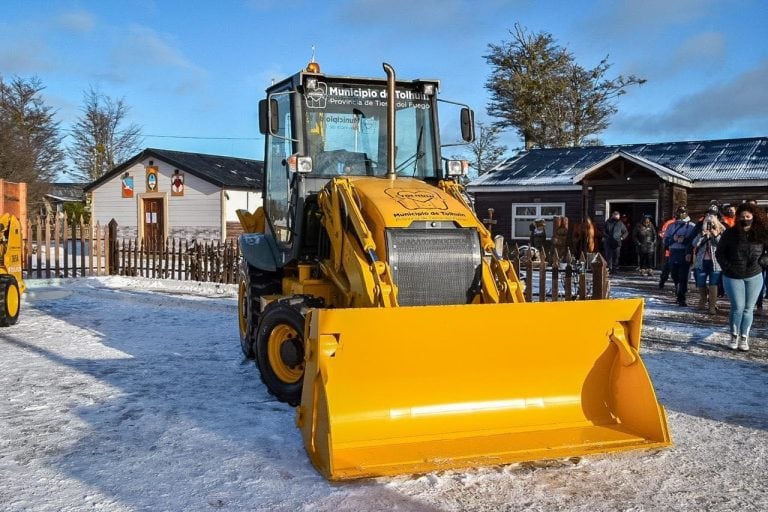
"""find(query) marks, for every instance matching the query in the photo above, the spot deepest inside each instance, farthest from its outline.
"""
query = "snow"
(132, 394)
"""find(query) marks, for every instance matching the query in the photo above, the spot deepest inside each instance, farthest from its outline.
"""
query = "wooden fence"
(57, 248)
(550, 277)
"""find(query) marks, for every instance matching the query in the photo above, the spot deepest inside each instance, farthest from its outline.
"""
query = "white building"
(160, 193)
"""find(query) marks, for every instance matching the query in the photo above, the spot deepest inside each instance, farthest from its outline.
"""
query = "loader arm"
(500, 281)
(354, 267)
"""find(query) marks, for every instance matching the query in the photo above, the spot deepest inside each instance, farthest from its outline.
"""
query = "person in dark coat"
(741, 255)
(678, 239)
(614, 234)
(644, 236)
(538, 234)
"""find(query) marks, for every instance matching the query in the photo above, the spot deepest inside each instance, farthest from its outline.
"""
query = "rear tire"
(10, 300)
(279, 348)
(252, 284)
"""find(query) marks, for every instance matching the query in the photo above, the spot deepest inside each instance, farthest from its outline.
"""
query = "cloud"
(24, 56)
(706, 49)
(704, 53)
(143, 45)
(77, 21)
(147, 52)
(740, 104)
(649, 17)
(421, 16)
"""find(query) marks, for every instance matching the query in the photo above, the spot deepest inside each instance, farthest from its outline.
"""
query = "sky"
(192, 72)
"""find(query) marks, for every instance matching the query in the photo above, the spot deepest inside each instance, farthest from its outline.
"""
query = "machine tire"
(10, 300)
(279, 349)
(252, 284)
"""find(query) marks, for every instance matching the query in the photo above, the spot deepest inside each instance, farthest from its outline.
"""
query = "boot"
(743, 343)
(713, 300)
(702, 298)
(734, 343)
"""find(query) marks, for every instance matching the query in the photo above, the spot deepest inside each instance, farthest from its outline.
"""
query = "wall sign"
(127, 185)
(177, 183)
(152, 178)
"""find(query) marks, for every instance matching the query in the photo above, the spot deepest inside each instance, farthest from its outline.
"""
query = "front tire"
(252, 284)
(10, 300)
(279, 349)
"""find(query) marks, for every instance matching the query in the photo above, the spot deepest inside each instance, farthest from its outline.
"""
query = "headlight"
(300, 164)
(456, 168)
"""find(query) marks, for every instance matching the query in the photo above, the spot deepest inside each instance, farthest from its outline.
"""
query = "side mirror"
(269, 116)
(467, 124)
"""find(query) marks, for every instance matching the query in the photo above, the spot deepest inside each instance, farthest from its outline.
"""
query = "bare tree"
(486, 150)
(100, 139)
(537, 88)
(30, 138)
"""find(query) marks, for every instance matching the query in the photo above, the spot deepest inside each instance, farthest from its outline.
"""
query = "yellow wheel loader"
(11, 282)
(373, 299)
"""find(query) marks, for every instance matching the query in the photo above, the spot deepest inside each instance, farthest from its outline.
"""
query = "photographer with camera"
(706, 269)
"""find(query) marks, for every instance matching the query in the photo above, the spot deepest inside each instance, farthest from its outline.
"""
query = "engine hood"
(397, 203)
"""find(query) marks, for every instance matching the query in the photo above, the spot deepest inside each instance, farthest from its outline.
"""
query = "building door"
(632, 213)
(153, 223)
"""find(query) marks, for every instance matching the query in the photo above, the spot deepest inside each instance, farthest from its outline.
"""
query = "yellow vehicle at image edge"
(373, 298)
(11, 282)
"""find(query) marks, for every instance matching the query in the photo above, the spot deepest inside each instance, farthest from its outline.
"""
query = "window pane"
(549, 211)
(525, 210)
(522, 228)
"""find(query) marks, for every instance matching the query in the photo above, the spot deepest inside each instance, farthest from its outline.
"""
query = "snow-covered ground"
(132, 394)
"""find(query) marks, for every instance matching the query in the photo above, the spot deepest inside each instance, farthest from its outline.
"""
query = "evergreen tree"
(551, 101)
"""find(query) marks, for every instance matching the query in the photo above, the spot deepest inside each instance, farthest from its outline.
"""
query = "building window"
(523, 216)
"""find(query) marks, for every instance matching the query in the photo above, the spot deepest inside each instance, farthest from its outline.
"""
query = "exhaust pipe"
(391, 99)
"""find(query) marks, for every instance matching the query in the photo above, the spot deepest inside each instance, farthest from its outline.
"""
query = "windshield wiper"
(416, 156)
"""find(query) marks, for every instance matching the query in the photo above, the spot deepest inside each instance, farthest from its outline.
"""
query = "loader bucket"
(416, 389)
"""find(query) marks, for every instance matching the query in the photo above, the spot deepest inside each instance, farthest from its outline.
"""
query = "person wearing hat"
(538, 234)
(644, 236)
(614, 234)
(706, 269)
(678, 240)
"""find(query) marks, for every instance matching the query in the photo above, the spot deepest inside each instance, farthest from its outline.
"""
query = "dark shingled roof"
(223, 171)
(714, 160)
(66, 192)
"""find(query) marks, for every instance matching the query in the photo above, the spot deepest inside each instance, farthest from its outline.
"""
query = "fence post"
(65, 230)
(47, 258)
(555, 276)
(112, 250)
(56, 244)
(542, 275)
(600, 285)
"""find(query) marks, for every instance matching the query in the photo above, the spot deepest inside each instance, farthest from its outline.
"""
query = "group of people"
(727, 247)
(643, 236)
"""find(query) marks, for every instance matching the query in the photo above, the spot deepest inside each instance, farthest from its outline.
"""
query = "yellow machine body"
(416, 389)
(404, 337)
(10, 248)
(11, 279)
